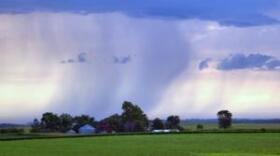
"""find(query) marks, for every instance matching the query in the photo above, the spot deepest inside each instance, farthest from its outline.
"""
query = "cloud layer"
(242, 61)
(81, 58)
(250, 12)
(122, 60)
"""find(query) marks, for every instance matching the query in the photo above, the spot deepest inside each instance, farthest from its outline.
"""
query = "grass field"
(267, 144)
(235, 126)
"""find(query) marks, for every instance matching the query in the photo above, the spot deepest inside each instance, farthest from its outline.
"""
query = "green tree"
(35, 127)
(199, 127)
(224, 118)
(157, 124)
(133, 117)
(114, 122)
(66, 122)
(172, 122)
(50, 122)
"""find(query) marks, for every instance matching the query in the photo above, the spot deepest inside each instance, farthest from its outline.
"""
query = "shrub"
(12, 130)
(199, 127)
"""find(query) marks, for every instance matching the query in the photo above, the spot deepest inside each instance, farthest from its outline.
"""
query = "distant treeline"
(272, 121)
(132, 119)
(10, 125)
(11, 131)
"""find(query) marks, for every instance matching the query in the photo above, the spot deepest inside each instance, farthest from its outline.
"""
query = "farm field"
(251, 144)
(208, 126)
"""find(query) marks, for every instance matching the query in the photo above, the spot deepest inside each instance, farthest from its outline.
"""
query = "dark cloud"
(273, 64)
(70, 61)
(230, 12)
(122, 60)
(81, 58)
(204, 64)
(242, 61)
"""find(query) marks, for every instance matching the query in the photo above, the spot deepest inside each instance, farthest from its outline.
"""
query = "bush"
(12, 130)
(199, 127)
(35, 130)
(181, 128)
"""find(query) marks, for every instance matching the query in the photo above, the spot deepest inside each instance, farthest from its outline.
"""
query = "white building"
(87, 129)
(165, 130)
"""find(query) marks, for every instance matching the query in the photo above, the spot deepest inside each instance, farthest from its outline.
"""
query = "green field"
(235, 126)
(149, 145)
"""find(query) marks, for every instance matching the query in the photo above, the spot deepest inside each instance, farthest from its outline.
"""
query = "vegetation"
(173, 122)
(110, 124)
(133, 118)
(51, 122)
(82, 120)
(199, 127)
(224, 117)
(12, 131)
(157, 124)
(144, 145)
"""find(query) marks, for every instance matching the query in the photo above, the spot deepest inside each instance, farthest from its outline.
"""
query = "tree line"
(132, 119)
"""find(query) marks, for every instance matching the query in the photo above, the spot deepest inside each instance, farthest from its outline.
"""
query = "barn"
(87, 129)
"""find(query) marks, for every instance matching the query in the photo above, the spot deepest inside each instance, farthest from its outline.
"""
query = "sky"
(184, 57)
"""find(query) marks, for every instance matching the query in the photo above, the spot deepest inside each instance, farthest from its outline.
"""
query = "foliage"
(172, 122)
(225, 119)
(66, 122)
(133, 117)
(35, 127)
(110, 124)
(157, 124)
(12, 131)
(50, 122)
(199, 127)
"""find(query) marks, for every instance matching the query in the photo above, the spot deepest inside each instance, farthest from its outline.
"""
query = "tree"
(133, 117)
(35, 126)
(199, 127)
(173, 122)
(66, 122)
(111, 123)
(82, 120)
(224, 117)
(157, 124)
(50, 122)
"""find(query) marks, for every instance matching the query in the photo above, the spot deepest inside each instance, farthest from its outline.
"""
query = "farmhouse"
(87, 129)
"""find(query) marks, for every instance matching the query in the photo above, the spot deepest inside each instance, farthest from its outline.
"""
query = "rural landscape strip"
(33, 137)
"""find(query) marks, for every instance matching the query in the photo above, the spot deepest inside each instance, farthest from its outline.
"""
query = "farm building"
(165, 130)
(87, 129)
(71, 132)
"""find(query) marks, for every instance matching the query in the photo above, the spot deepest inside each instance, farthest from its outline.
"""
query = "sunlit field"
(148, 145)
(210, 126)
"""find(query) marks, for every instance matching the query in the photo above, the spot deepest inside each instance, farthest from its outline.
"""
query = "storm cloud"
(204, 64)
(250, 12)
(122, 60)
(241, 61)
(147, 52)
(80, 58)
